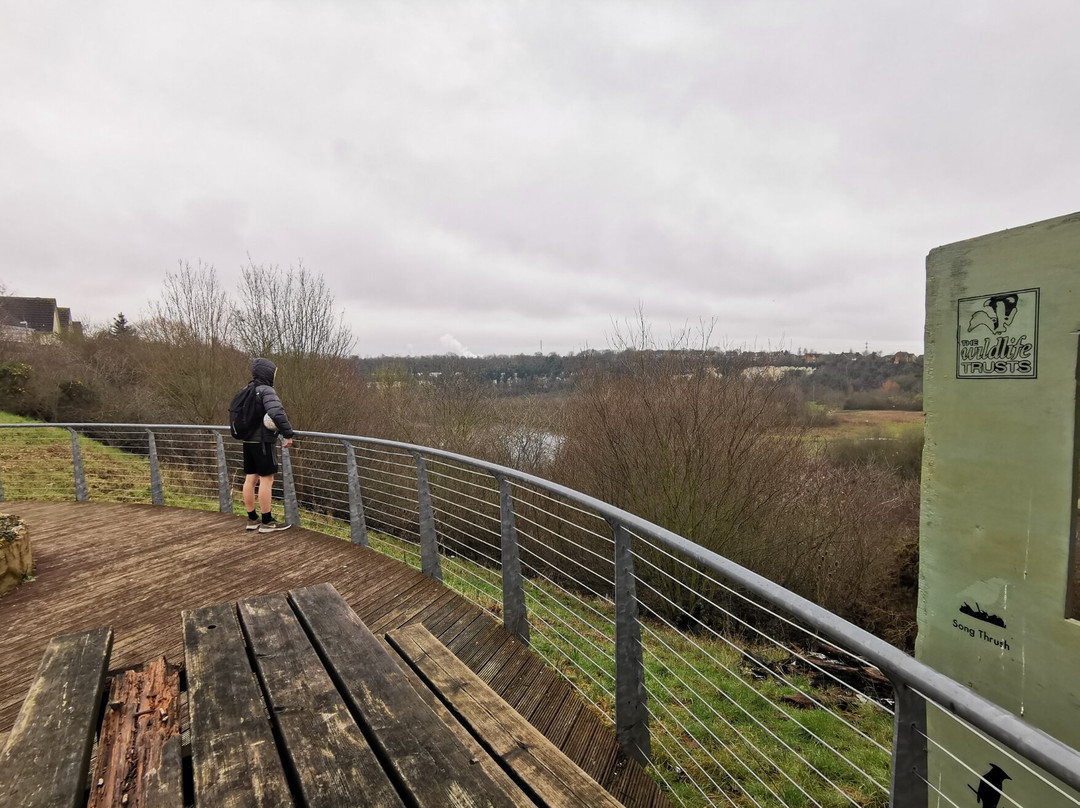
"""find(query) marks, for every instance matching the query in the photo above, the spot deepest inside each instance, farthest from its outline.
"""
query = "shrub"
(723, 462)
(13, 380)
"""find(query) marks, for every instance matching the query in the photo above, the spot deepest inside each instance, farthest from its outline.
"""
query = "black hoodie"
(263, 372)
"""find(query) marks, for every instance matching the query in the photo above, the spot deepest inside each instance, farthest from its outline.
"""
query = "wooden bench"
(341, 724)
(539, 766)
(234, 755)
(46, 760)
(292, 701)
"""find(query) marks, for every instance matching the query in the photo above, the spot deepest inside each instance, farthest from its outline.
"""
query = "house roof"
(35, 313)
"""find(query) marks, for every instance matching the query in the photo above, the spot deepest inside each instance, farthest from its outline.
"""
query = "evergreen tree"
(121, 327)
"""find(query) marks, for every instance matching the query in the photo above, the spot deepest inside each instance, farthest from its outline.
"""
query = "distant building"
(35, 317)
(903, 358)
(774, 372)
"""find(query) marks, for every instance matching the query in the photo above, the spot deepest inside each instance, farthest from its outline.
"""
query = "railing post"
(157, 493)
(81, 492)
(515, 615)
(357, 523)
(430, 564)
(631, 696)
(909, 783)
(288, 482)
(224, 491)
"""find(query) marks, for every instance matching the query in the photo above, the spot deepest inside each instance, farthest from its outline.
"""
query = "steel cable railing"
(736, 691)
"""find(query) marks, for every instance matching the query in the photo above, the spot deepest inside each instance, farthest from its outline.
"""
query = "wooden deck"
(136, 567)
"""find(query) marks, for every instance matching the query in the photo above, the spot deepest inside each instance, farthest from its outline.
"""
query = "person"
(260, 459)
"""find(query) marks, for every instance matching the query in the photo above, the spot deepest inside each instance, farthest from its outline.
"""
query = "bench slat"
(335, 766)
(133, 768)
(538, 764)
(47, 756)
(405, 731)
(234, 757)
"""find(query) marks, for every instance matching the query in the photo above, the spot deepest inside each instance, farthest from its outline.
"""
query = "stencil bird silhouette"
(990, 788)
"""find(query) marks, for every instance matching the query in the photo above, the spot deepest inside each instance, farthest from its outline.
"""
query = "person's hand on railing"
(287, 443)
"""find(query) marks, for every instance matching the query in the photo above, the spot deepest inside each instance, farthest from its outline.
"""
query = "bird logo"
(990, 788)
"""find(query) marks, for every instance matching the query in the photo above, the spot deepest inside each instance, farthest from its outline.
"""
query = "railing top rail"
(1042, 749)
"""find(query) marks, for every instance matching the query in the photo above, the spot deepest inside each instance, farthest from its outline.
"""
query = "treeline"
(840, 381)
(684, 436)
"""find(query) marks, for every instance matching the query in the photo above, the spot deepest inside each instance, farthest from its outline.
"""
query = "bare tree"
(193, 308)
(192, 321)
(289, 314)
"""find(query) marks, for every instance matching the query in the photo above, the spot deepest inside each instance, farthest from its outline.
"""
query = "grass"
(718, 723)
(867, 423)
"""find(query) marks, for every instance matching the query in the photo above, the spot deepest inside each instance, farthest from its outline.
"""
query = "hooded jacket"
(262, 373)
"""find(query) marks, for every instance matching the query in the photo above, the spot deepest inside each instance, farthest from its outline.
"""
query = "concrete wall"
(999, 488)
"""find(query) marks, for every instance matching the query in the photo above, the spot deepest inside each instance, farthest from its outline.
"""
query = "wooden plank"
(132, 767)
(480, 648)
(558, 732)
(439, 621)
(466, 738)
(531, 681)
(547, 693)
(333, 762)
(463, 642)
(162, 788)
(590, 747)
(512, 671)
(541, 768)
(405, 609)
(499, 659)
(422, 752)
(233, 754)
(394, 584)
(47, 756)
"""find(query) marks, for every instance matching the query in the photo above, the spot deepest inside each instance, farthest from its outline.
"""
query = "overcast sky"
(495, 177)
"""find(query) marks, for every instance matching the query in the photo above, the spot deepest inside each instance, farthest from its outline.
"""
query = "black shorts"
(260, 458)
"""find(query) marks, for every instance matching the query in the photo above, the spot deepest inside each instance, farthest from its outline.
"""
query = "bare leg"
(249, 492)
(266, 490)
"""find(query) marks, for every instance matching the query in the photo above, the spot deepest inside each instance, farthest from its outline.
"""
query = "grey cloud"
(505, 173)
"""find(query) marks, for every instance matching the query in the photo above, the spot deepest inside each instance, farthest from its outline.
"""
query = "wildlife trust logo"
(997, 336)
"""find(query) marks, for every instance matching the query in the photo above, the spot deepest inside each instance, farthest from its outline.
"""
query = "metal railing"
(735, 691)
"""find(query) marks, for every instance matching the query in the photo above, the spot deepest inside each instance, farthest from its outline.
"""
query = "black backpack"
(244, 415)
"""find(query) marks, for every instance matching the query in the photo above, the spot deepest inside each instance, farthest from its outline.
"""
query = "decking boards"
(137, 567)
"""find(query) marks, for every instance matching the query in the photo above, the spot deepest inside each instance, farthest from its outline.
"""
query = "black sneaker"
(271, 527)
(253, 524)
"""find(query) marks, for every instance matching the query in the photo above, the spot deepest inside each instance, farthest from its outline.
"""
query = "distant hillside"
(854, 380)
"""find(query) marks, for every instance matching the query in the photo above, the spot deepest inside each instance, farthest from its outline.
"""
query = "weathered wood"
(133, 768)
(47, 756)
(406, 733)
(162, 788)
(334, 764)
(540, 767)
(233, 754)
(86, 575)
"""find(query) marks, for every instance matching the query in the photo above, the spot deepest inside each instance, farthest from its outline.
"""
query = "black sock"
(268, 518)
(252, 515)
